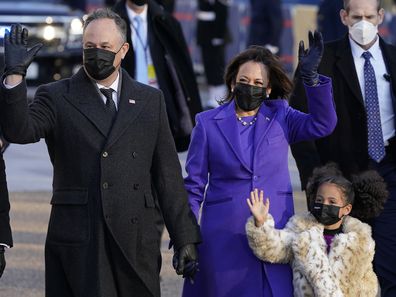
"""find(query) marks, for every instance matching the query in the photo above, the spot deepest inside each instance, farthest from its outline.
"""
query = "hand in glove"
(17, 57)
(185, 261)
(309, 59)
(2, 260)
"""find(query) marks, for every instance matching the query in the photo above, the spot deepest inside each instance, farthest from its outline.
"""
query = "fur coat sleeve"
(270, 244)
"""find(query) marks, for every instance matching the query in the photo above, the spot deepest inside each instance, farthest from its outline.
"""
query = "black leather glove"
(17, 57)
(185, 261)
(309, 59)
(2, 260)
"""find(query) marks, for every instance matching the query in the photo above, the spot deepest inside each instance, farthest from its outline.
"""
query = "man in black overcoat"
(167, 52)
(110, 144)
(5, 228)
(344, 61)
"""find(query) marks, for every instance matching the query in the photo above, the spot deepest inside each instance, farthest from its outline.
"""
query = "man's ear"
(125, 48)
(343, 16)
(381, 14)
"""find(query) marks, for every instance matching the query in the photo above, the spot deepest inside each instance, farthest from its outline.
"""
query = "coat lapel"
(227, 124)
(390, 61)
(265, 118)
(346, 66)
(85, 97)
(133, 98)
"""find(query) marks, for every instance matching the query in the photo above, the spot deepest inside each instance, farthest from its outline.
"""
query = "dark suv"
(52, 23)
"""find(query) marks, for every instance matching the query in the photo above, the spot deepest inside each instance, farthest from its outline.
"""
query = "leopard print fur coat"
(346, 271)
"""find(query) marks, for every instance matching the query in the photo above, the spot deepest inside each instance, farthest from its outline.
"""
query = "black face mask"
(248, 97)
(326, 214)
(99, 62)
(139, 2)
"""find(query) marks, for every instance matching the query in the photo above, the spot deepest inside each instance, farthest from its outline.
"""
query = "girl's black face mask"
(99, 62)
(248, 97)
(326, 214)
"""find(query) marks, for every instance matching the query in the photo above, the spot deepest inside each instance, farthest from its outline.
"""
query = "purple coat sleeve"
(321, 119)
(197, 167)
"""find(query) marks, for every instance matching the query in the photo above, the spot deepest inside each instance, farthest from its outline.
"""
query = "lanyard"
(140, 40)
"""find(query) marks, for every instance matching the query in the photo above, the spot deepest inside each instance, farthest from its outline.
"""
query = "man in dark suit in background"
(110, 144)
(5, 228)
(363, 69)
(266, 24)
(329, 22)
(212, 37)
(159, 57)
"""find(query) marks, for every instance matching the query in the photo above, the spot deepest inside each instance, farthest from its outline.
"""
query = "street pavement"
(29, 176)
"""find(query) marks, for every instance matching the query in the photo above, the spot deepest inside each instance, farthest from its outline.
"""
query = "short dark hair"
(280, 84)
(105, 13)
(346, 4)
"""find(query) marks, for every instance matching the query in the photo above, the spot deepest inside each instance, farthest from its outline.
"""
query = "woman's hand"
(257, 207)
(309, 59)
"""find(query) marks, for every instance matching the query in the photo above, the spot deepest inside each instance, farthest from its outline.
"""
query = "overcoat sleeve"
(197, 166)
(321, 119)
(22, 123)
(305, 152)
(168, 181)
(5, 228)
(270, 244)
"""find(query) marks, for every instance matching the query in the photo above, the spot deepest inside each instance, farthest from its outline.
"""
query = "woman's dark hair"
(329, 173)
(278, 80)
(370, 195)
(367, 191)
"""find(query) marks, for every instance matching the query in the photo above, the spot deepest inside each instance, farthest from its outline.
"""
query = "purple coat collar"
(227, 123)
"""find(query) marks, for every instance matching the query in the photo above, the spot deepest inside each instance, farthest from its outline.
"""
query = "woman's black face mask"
(99, 62)
(248, 97)
(140, 2)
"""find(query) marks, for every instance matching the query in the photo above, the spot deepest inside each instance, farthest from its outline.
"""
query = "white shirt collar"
(132, 14)
(357, 50)
(113, 86)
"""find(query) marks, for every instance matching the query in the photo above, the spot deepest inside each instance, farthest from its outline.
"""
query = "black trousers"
(213, 58)
(384, 228)
(98, 269)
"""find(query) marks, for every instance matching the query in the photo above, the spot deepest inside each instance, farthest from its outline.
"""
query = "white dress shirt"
(383, 86)
(113, 86)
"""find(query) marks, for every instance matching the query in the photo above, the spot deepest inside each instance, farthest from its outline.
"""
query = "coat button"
(134, 155)
(136, 186)
(105, 185)
(255, 177)
(134, 220)
(105, 154)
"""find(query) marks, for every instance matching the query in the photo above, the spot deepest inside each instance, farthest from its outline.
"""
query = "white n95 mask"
(363, 32)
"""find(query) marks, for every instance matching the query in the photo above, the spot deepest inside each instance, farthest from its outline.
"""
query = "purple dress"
(220, 178)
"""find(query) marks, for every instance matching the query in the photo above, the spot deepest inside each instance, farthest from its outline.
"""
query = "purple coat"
(228, 268)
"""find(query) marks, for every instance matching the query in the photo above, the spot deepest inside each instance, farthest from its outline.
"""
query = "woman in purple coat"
(243, 145)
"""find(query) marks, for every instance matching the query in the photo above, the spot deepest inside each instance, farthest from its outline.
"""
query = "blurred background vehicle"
(53, 23)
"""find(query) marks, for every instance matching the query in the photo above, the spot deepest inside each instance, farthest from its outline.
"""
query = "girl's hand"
(258, 209)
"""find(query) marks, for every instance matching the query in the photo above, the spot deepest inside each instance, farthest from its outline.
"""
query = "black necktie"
(110, 105)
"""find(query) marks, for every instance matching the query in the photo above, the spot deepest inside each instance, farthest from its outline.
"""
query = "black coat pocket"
(69, 220)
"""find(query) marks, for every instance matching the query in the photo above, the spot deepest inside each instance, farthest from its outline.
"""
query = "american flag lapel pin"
(131, 101)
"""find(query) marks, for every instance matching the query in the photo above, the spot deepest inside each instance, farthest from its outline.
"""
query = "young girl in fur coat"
(330, 251)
